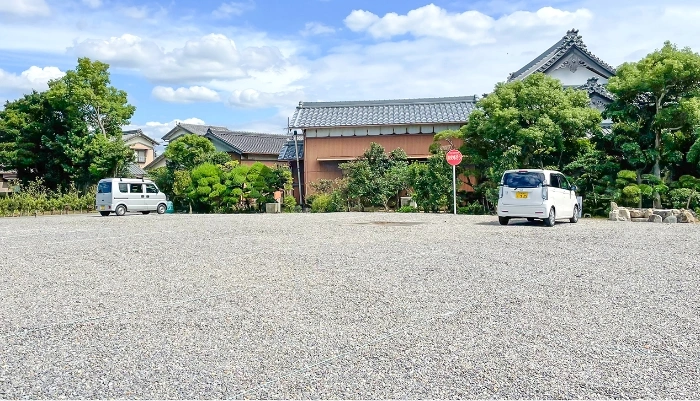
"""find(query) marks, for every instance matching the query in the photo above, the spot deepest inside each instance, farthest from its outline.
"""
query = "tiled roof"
(135, 170)
(126, 135)
(545, 60)
(154, 161)
(249, 142)
(593, 86)
(196, 129)
(288, 153)
(383, 112)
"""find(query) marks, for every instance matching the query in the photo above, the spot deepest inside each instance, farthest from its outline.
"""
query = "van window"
(151, 189)
(104, 187)
(136, 188)
(554, 181)
(563, 182)
(123, 188)
(523, 179)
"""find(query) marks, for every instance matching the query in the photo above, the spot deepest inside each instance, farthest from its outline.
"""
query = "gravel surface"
(357, 306)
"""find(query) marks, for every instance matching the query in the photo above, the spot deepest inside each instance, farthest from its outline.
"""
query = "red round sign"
(454, 157)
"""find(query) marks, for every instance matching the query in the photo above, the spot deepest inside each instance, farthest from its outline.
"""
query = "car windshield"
(523, 179)
(104, 188)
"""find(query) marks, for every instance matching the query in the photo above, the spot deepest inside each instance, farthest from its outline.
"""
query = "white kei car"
(537, 194)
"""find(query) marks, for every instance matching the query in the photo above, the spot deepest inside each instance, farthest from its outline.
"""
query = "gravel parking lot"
(347, 306)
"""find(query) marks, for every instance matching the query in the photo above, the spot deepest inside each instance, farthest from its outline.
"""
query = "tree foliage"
(657, 109)
(70, 133)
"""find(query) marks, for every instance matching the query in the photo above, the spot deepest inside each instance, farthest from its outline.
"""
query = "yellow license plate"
(521, 195)
(102, 207)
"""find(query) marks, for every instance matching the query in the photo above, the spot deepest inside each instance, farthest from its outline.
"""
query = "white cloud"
(251, 98)
(210, 57)
(93, 3)
(32, 78)
(185, 95)
(135, 12)
(471, 27)
(316, 28)
(226, 10)
(25, 8)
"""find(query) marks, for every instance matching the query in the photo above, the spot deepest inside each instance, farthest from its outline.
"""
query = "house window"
(140, 155)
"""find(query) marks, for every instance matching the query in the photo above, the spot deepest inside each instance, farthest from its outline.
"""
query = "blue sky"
(246, 64)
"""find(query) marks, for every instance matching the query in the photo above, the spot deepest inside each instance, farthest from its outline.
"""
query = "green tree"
(657, 98)
(431, 183)
(377, 177)
(189, 151)
(69, 133)
(533, 123)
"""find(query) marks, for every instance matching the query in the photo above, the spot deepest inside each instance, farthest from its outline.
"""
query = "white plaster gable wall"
(578, 77)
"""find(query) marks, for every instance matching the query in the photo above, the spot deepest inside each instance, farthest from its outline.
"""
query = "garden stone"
(686, 217)
(636, 213)
(655, 218)
(613, 206)
(663, 212)
(614, 214)
(648, 213)
(671, 219)
(624, 213)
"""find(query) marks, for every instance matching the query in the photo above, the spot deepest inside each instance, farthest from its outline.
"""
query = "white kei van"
(121, 195)
(537, 195)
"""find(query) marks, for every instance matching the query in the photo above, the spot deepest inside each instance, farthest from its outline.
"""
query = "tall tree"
(69, 133)
(657, 98)
(533, 123)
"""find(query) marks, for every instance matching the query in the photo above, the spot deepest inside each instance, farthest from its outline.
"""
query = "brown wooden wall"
(348, 148)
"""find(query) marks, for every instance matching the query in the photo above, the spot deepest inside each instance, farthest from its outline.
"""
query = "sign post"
(454, 157)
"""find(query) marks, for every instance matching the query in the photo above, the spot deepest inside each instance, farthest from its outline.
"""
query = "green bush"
(320, 203)
(407, 209)
(34, 197)
(474, 208)
(289, 204)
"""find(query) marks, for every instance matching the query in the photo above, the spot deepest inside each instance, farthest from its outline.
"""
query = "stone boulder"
(637, 214)
(614, 215)
(648, 213)
(686, 216)
(663, 212)
(671, 219)
(655, 218)
(624, 213)
(613, 206)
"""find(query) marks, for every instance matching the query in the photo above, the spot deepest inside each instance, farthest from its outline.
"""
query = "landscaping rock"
(613, 206)
(655, 218)
(614, 215)
(624, 213)
(671, 219)
(636, 213)
(648, 213)
(686, 217)
(640, 219)
(663, 212)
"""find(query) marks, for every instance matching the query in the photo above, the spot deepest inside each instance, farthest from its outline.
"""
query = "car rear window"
(523, 179)
(104, 188)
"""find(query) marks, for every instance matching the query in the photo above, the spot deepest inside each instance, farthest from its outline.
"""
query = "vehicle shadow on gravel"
(519, 222)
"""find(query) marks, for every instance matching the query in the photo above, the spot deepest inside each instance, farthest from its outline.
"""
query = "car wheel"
(551, 219)
(120, 210)
(161, 209)
(503, 220)
(574, 218)
(147, 212)
(105, 214)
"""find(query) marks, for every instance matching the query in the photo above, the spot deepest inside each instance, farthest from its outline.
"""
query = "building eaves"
(288, 153)
(383, 112)
(154, 161)
(197, 129)
(245, 142)
(552, 55)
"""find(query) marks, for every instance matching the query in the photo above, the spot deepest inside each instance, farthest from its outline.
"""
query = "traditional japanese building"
(335, 132)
